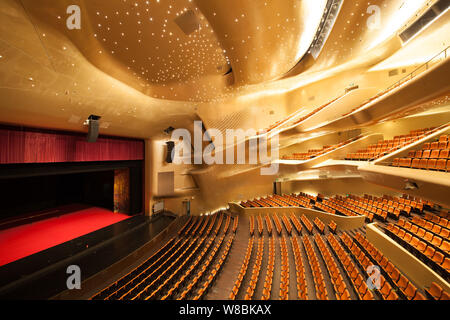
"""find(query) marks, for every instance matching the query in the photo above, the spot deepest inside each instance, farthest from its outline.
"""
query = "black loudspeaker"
(170, 150)
(93, 128)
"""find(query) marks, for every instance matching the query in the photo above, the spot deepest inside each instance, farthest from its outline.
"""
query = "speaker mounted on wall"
(93, 123)
(170, 151)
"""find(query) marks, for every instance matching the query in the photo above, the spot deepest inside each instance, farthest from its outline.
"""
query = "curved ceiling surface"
(154, 62)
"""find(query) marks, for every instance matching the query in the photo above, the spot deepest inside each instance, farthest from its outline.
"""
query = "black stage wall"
(28, 188)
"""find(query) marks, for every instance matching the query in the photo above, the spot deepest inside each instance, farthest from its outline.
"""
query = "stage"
(22, 241)
(34, 257)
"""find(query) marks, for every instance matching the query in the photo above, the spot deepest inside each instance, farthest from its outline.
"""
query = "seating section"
(313, 153)
(353, 274)
(340, 288)
(268, 224)
(195, 249)
(421, 239)
(433, 156)
(277, 223)
(384, 147)
(321, 289)
(395, 279)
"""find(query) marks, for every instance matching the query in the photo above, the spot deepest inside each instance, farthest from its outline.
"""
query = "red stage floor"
(22, 241)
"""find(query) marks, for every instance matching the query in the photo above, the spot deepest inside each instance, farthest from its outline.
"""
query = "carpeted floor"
(25, 240)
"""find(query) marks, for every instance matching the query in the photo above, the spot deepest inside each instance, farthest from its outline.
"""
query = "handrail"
(411, 75)
(408, 77)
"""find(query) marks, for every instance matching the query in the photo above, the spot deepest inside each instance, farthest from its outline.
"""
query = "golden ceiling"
(154, 62)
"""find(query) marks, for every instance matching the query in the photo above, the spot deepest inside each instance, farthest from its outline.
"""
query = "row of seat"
(296, 223)
(185, 226)
(267, 288)
(314, 153)
(243, 269)
(252, 225)
(388, 270)
(319, 225)
(319, 281)
(340, 288)
(287, 224)
(435, 228)
(443, 222)
(235, 223)
(432, 255)
(430, 236)
(227, 224)
(357, 281)
(432, 156)
(260, 225)
(255, 271)
(268, 224)
(284, 281)
(302, 288)
(384, 147)
(308, 225)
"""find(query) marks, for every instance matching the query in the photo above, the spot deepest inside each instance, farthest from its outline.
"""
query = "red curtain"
(38, 147)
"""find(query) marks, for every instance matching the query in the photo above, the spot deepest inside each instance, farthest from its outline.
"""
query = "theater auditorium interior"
(224, 150)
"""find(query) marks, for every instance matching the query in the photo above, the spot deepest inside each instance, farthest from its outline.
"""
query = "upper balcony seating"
(313, 153)
(433, 156)
(384, 147)
(293, 120)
